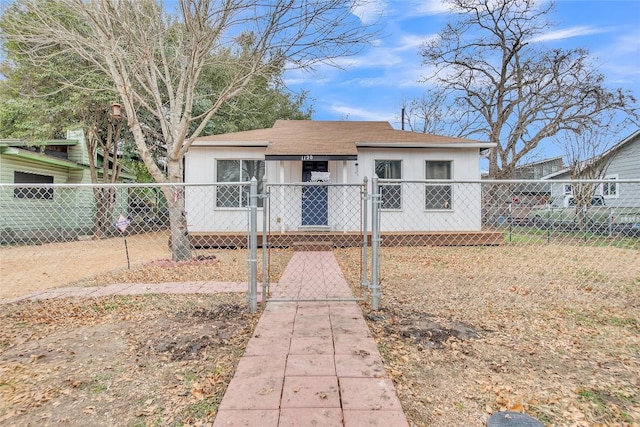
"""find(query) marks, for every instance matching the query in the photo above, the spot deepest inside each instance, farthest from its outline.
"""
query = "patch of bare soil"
(31, 268)
(549, 330)
(134, 361)
(28, 269)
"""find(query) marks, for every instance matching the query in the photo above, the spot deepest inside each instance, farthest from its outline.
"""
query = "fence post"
(364, 282)
(265, 244)
(375, 242)
(253, 245)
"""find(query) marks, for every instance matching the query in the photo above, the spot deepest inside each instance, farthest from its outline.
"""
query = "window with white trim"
(391, 193)
(438, 196)
(567, 189)
(610, 189)
(237, 196)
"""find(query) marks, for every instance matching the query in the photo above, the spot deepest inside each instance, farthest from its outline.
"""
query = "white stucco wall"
(466, 212)
(343, 204)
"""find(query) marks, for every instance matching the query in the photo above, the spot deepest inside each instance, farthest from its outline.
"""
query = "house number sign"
(307, 157)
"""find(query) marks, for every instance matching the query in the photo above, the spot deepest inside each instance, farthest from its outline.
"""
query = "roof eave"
(426, 144)
(205, 143)
(40, 158)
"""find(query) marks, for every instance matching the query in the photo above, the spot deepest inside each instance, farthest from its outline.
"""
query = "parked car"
(564, 212)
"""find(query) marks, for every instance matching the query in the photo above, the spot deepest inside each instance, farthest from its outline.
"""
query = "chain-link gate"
(306, 221)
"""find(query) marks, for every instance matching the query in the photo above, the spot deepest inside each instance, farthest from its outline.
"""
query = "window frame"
(241, 197)
(429, 188)
(606, 186)
(394, 203)
(32, 193)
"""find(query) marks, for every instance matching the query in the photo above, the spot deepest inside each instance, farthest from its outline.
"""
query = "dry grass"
(558, 332)
(552, 330)
(121, 360)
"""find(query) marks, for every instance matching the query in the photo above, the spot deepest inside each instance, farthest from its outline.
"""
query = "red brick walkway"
(134, 289)
(307, 364)
(311, 363)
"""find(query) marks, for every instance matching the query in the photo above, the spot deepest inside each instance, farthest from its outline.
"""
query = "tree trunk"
(103, 219)
(180, 242)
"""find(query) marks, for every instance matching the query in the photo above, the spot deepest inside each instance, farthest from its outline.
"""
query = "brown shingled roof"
(302, 137)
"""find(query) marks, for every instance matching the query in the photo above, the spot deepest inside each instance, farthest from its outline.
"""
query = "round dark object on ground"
(512, 419)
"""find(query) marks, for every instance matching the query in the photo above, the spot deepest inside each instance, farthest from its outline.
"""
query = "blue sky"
(375, 83)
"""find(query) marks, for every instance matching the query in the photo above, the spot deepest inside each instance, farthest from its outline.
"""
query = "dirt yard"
(119, 361)
(30, 268)
(551, 330)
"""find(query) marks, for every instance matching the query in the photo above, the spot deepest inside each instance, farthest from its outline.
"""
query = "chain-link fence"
(580, 231)
(439, 212)
(60, 235)
(56, 235)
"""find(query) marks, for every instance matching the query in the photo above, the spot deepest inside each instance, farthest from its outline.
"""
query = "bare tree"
(516, 92)
(434, 113)
(587, 159)
(155, 57)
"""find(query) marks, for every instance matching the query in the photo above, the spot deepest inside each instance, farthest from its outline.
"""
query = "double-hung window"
(237, 196)
(610, 189)
(391, 193)
(438, 195)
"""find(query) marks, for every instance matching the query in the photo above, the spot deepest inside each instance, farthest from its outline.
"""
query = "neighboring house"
(513, 202)
(539, 169)
(531, 194)
(53, 213)
(337, 152)
(620, 162)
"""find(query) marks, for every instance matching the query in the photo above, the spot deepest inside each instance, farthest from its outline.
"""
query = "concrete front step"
(312, 246)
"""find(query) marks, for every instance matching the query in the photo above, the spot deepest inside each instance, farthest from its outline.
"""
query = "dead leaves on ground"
(555, 339)
(111, 369)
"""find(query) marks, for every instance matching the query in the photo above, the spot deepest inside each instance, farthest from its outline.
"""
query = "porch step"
(312, 246)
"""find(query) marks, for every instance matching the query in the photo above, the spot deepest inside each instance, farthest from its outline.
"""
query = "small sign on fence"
(121, 224)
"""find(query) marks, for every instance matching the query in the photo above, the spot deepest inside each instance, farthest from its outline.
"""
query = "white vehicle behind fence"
(565, 213)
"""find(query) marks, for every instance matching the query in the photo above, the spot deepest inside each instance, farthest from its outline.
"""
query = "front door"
(314, 198)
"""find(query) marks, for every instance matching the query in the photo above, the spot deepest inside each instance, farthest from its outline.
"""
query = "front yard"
(550, 329)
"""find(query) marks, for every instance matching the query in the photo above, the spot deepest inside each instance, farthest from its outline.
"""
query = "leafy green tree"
(43, 102)
(156, 59)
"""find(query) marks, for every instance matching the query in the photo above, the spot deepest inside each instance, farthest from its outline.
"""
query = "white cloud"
(582, 30)
(396, 78)
(619, 59)
(298, 77)
(627, 44)
(413, 42)
(354, 113)
(369, 11)
(432, 7)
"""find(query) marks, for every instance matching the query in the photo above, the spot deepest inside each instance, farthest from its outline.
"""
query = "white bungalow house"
(335, 153)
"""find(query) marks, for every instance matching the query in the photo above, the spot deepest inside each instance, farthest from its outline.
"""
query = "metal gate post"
(253, 245)
(265, 244)
(375, 242)
(364, 282)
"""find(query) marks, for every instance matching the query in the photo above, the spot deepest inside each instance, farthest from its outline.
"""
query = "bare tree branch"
(490, 60)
